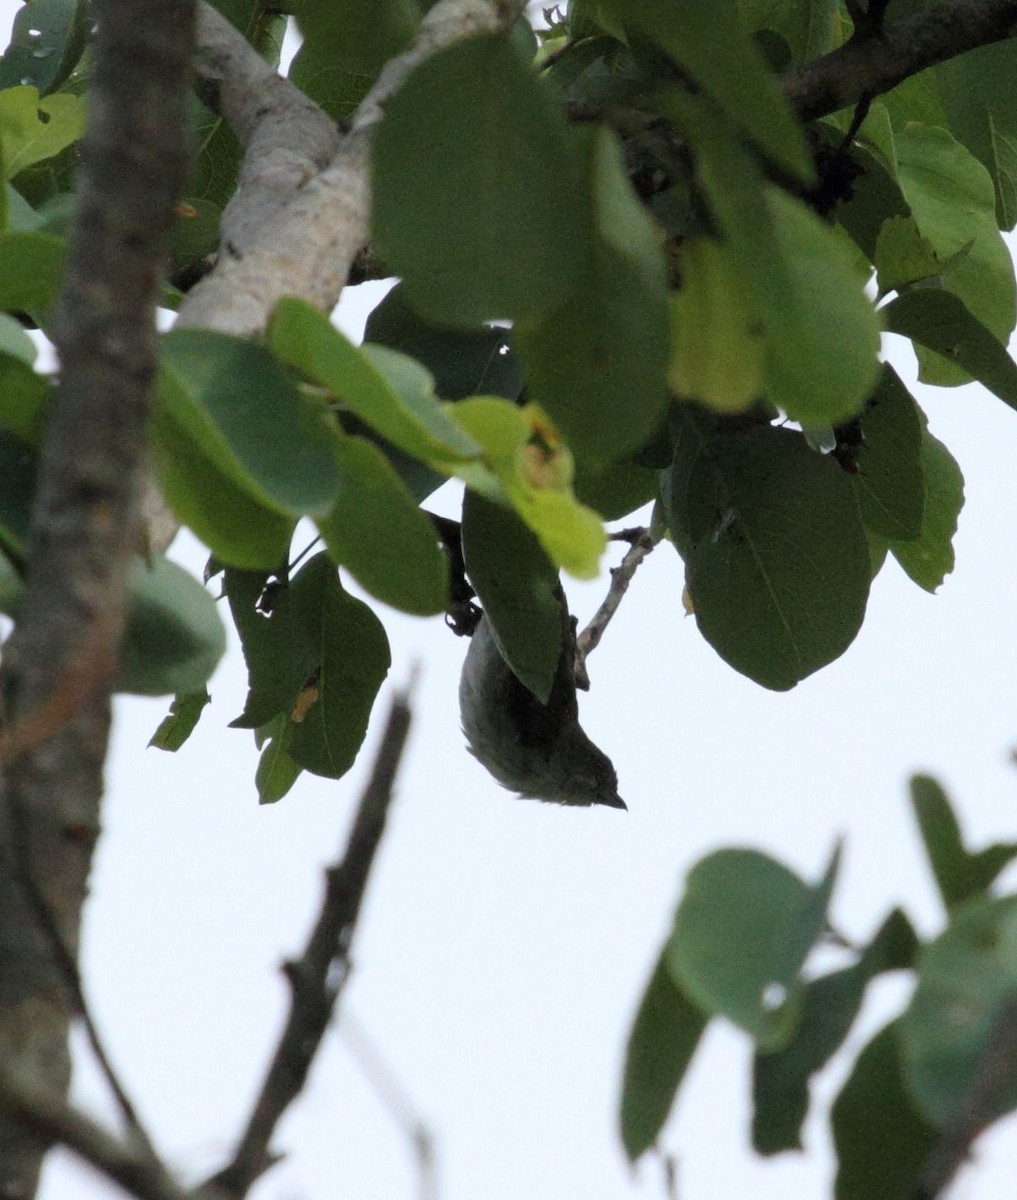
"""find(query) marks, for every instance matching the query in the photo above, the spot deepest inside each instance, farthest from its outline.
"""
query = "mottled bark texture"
(59, 664)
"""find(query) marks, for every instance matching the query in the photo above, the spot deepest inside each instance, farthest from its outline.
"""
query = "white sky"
(505, 944)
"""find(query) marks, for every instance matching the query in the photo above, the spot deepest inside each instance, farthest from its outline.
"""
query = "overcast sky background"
(505, 944)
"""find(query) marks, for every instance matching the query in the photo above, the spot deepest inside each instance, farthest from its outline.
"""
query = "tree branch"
(641, 544)
(84, 531)
(317, 978)
(877, 61)
(309, 245)
(50, 1120)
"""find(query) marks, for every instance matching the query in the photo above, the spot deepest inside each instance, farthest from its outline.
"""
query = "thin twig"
(621, 577)
(317, 978)
(395, 1099)
(984, 1102)
(52, 1120)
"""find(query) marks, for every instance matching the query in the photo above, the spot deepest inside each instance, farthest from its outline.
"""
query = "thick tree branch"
(309, 245)
(875, 62)
(317, 978)
(62, 655)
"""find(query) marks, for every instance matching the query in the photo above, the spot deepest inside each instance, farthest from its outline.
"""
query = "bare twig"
(317, 978)
(51, 1120)
(641, 545)
(395, 1099)
(983, 1104)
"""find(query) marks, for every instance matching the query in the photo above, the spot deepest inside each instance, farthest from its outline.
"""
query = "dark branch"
(60, 663)
(50, 1120)
(877, 61)
(317, 978)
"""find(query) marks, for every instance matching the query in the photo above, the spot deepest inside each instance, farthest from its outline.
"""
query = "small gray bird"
(537, 750)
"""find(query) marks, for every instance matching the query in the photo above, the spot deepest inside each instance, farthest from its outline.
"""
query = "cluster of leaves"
(628, 274)
(743, 935)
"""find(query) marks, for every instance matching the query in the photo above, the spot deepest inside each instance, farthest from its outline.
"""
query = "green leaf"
(380, 535)
(47, 41)
(389, 392)
(967, 979)
(34, 128)
(517, 585)
(463, 362)
(830, 1004)
(174, 636)
(882, 1141)
(959, 874)
(808, 29)
(31, 267)
(276, 772)
(526, 466)
(183, 716)
(798, 278)
(705, 38)
(18, 466)
(718, 351)
(929, 558)
(475, 192)
(903, 255)
(597, 363)
(345, 44)
(776, 559)
(890, 483)
(664, 1037)
(329, 719)
(741, 935)
(941, 322)
(232, 396)
(616, 489)
(979, 93)
(23, 394)
(952, 200)
(281, 655)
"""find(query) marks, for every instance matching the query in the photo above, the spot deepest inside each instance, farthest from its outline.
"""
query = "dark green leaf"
(232, 396)
(331, 713)
(938, 320)
(929, 558)
(475, 193)
(597, 363)
(967, 977)
(979, 92)
(23, 394)
(741, 935)
(705, 37)
(345, 45)
(517, 585)
(463, 362)
(616, 489)
(664, 1037)
(18, 464)
(280, 653)
(882, 1141)
(830, 1004)
(959, 874)
(31, 266)
(808, 29)
(380, 535)
(178, 725)
(890, 483)
(47, 40)
(174, 636)
(777, 563)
